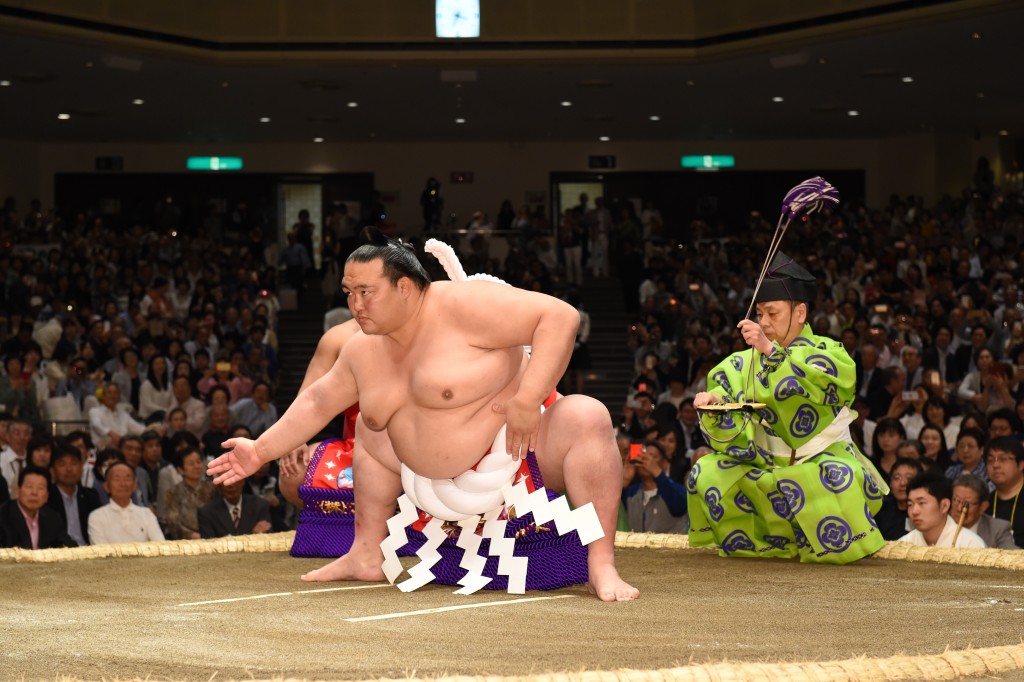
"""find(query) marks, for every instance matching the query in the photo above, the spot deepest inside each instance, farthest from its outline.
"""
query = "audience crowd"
(165, 348)
(927, 302)
(129, 356)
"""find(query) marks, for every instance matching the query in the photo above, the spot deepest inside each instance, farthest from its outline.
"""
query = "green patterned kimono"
(747, 499)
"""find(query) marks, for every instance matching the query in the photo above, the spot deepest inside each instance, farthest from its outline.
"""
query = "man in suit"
(972, 492)
(69, 499)
(26, 522)
(966, 354)
(941, 356)
(869, 374)
(693, 437)
(230, 512)
(14, 457)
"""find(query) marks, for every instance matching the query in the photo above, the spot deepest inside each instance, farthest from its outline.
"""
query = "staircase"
(612, 361)
(298, 332)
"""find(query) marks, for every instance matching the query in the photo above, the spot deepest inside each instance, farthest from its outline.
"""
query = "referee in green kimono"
(785, 480)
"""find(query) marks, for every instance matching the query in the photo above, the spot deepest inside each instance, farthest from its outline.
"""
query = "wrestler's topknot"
(397, 257)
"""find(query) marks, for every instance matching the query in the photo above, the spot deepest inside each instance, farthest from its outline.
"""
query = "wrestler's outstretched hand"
(237, 463)
(522, 424)
(755, 336)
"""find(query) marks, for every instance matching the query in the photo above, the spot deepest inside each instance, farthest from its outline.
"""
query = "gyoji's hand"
(237, 463)
(704, 398)
(522, 424)
(755, 336)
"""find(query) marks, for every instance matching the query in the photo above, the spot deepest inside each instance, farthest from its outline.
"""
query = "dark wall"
(126, 199)
(722, 199)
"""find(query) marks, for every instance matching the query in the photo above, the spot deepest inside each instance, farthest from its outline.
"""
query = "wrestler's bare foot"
(608, 586)
(348, 567)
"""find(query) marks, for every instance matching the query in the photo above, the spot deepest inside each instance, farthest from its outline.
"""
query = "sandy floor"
(139, 617)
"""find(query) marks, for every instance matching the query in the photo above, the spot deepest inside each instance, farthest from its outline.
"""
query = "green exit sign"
(214, 163)
(708, 161)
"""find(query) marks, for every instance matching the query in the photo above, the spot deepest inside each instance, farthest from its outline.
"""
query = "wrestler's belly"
(442, 444)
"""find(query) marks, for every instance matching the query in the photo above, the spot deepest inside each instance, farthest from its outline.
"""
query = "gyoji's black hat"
(787, 281)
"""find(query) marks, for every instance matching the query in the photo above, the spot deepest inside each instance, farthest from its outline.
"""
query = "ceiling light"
(138, 102)
(655, 117)
(460, 120)
(318, 139)
(5, 84)
(352, 105)
(853, 112)
(63, 117)
(976, 35)
(778, 99)
(908, 79)
(1004, 133)
(604, 138)
(264, 119)
(566, 103)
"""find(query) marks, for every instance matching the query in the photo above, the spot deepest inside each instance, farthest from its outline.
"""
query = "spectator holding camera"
(654, 502)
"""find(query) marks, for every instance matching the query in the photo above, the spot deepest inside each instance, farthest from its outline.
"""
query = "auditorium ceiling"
(949, 69)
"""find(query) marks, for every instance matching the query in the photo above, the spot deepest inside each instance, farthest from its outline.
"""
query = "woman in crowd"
(936, 450)
(888, 435)
(169, 476)
(40, 450)
(32, 372)
(184, 499)
(219, 395)
(670, 435)
(155, 396)
(937, 411)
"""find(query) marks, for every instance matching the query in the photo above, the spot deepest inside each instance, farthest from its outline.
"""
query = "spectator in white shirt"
(13, 458)
(109, 422)
(929, 498)
(195, 409)
(120, 520)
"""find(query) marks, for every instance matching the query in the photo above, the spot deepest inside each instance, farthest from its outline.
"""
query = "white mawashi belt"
(481, 493)
(836, 432)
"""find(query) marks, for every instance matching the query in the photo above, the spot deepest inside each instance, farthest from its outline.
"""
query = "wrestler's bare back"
(434, 398)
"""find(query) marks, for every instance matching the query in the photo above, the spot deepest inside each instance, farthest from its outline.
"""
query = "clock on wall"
(457, 18)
